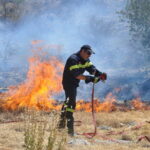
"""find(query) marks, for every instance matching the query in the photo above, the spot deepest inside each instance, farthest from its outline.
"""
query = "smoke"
(68, 25)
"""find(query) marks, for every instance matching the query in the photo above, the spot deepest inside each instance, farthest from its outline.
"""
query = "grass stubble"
(37, 130)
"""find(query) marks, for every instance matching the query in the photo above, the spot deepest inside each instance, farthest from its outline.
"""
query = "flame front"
(139, 105)
(43, 80)
(106, 106)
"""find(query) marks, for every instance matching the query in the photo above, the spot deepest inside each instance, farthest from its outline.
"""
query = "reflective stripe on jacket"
(76, 65)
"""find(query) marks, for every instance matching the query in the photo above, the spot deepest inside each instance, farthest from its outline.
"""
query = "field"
(32, 130)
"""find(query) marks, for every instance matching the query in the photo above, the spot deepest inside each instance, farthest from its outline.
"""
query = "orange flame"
(43, 80)
(106, 106)
(139, 105)
(35, 42)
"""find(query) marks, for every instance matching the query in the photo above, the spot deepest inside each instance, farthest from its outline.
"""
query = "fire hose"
(94, 133)
(91, 134)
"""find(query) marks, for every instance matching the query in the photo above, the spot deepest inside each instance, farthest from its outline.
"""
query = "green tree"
(137, 13)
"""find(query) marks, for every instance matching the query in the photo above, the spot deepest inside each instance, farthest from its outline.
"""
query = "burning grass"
(43, 81)
(36, 130)
(35, 92)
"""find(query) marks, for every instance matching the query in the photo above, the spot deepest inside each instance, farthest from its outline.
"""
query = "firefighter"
(75, 66)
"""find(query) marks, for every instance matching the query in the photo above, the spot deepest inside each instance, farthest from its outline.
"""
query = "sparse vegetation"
(37, 131)
(41, 133)
(137, 14)
(34, 131)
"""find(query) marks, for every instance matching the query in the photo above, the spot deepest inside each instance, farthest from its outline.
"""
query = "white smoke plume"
(69, 24)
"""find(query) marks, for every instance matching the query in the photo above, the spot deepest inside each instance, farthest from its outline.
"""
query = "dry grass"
(32, 130)
(42, 127)
(118, 121)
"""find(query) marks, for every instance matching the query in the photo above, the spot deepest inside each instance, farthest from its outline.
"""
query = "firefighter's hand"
(92, 79)
(103, 76)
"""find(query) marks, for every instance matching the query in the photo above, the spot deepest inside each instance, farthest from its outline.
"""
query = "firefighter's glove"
(103, 76)
(97, 73)
(92, 79)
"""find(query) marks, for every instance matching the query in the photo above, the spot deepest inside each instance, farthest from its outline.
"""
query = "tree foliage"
(137, 13)
(13, 10)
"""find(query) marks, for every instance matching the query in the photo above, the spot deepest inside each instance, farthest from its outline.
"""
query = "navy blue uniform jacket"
(75, 66)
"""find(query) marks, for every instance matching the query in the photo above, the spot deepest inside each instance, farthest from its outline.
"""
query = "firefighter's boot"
(70, 123)
(62, 120)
